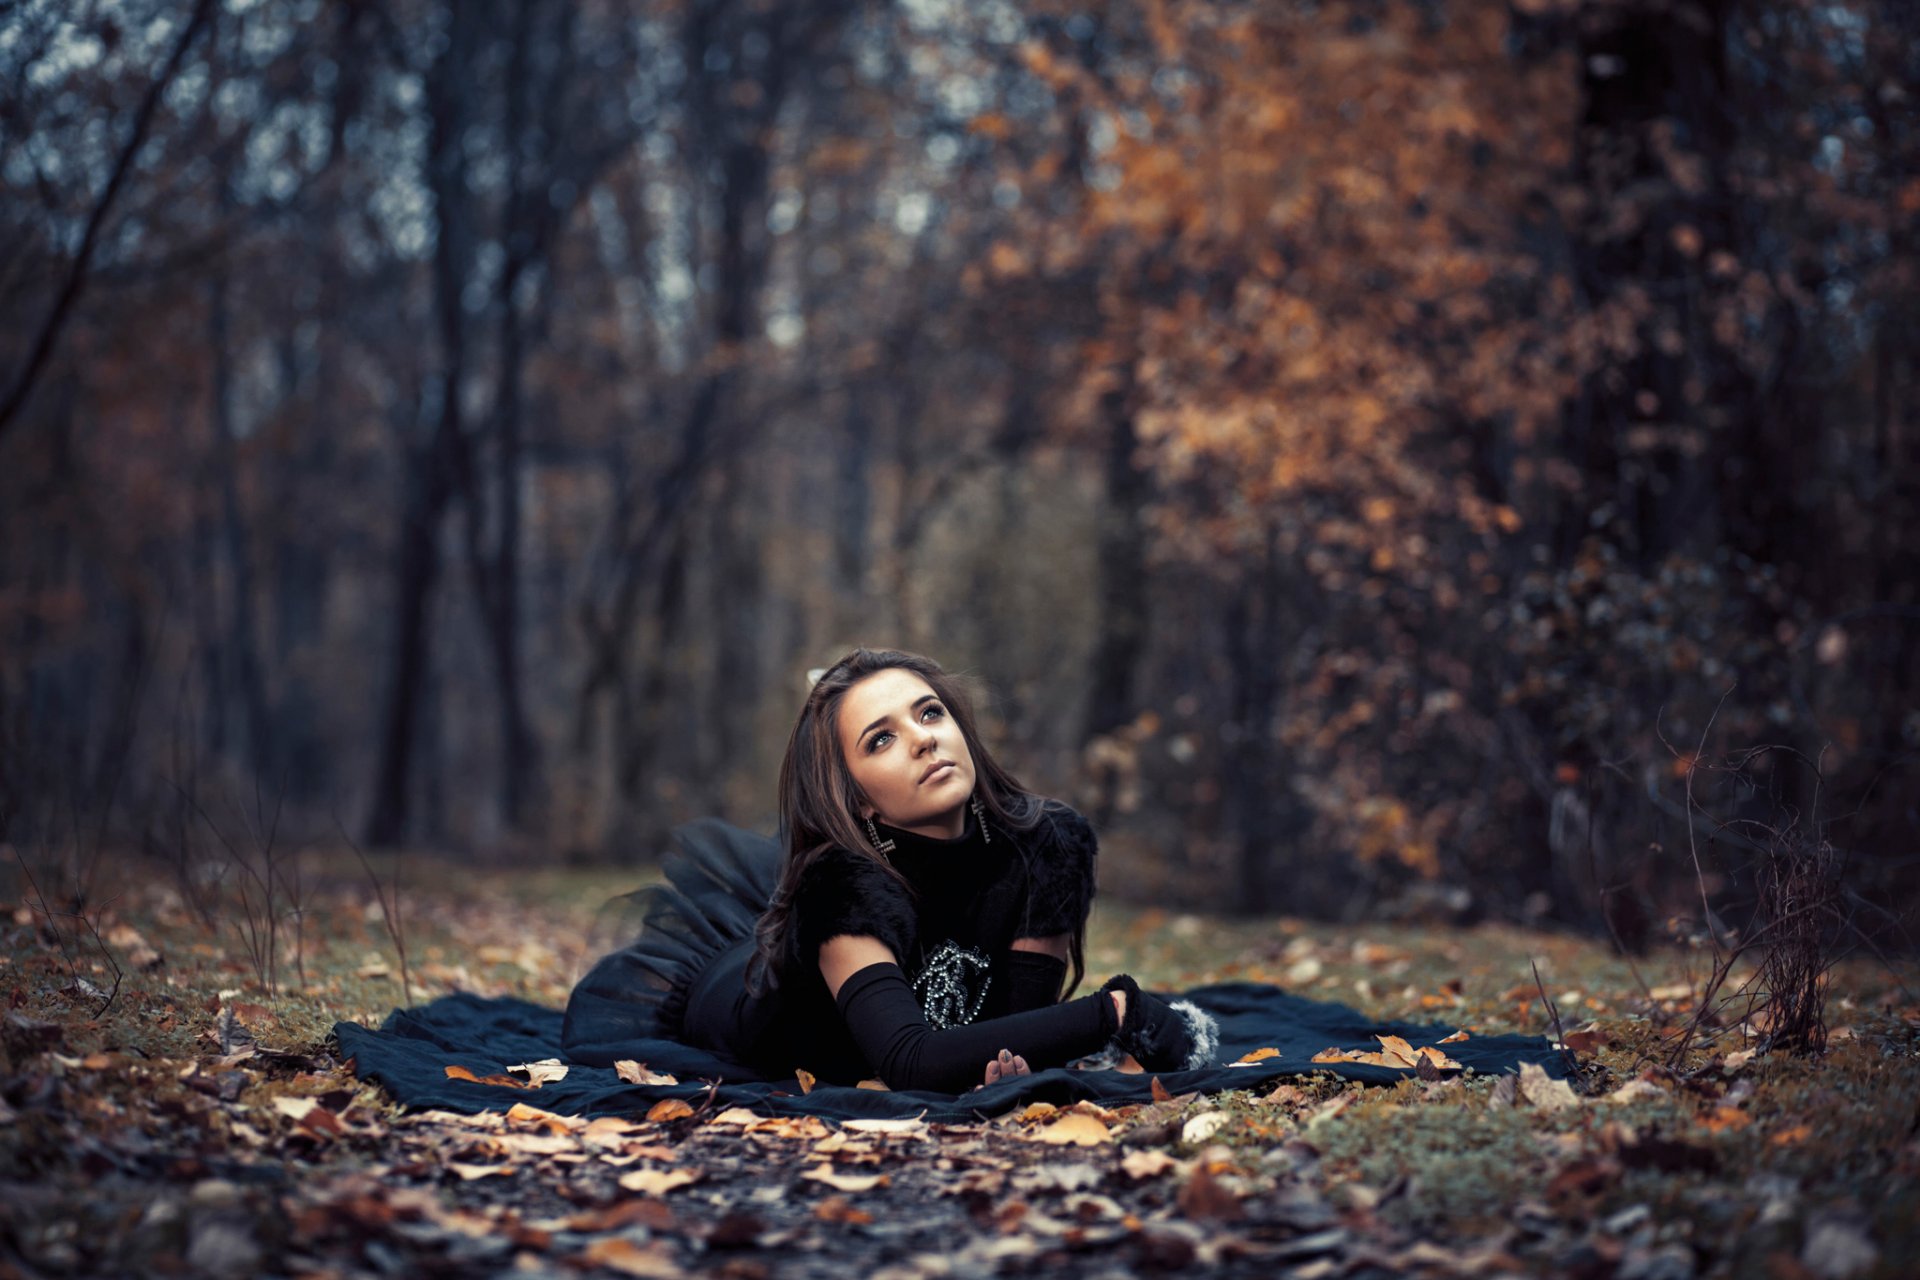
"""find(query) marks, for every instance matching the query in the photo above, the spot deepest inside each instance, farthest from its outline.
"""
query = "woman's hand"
(1006, 1066)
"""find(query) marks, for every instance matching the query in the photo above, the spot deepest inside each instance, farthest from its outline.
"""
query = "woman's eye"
(935, 712)
(877, 741)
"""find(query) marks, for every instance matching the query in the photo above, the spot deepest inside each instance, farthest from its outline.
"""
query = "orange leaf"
(508, 1082)
(1160, 1093)
(1258, 1055)
(806, 1079)
(669, 1109)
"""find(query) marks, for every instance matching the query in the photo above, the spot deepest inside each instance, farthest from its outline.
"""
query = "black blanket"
(410, 1054)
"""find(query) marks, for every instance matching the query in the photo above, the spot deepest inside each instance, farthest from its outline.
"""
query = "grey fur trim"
(1204, 1030)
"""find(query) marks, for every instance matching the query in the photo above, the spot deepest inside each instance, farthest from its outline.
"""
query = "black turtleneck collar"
(917, 856)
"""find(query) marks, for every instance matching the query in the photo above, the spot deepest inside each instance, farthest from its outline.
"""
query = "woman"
(925, 915)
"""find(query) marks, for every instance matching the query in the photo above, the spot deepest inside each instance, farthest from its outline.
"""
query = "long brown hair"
(819, 800)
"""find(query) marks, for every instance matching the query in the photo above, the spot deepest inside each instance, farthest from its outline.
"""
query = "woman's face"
(906, 753)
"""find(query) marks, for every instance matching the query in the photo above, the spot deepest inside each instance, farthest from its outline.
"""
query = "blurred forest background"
(1405, 456)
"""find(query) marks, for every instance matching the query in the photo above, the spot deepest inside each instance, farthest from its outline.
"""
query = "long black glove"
(1163, 1036)
(887, 1023)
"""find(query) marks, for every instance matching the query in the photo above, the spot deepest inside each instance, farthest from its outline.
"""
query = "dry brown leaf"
(1160, 1093)
(669, 1109)
(654, 1261)
(1586, 1040)
(824, 1172)
(1456, 1037)
(806, 1079)
(1037, 1111)
(1202, 1127)
(1202, 1198)
(1434, 1057)
(1075, 1129)
(1258, 1055)
(636, 1073)
(840, 1209)
(658, 1182)
(652, 1214)
(1397, 1052)
(1636, 1089)
(507, 1082)
(877, 1085)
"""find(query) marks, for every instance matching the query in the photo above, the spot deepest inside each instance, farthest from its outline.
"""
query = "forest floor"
(195, 1122)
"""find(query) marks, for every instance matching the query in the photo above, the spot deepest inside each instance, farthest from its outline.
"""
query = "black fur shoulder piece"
(850, 893)
(1060, 872)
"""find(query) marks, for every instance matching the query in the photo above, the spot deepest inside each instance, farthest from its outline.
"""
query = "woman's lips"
(940, 770)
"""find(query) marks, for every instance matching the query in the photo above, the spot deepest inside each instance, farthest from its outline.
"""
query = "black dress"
(951, 926)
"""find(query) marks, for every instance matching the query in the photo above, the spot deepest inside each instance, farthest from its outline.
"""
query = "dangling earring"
(873, 834)
(980, 816)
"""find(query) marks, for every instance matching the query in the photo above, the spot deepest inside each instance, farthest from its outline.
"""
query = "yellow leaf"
(806, 1079)
(823, 1172)
(669, 1109)
(879, 1085)
(736, 1115)
(657, 1182)
(1074, 1129)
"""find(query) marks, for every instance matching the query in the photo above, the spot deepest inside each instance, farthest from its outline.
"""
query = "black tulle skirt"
(682, 974)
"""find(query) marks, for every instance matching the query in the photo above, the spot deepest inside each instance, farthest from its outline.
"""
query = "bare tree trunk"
(430, 470)
(242, 634)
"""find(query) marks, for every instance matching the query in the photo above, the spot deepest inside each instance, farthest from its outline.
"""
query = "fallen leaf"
(913, 1124)
(521, 1113)
(1456, 1037)
(469, 1172)
(736, 1116)
(545, 1071)
(824, 1172)
(669, 1109)
(1739, 1058)
(840, 1209)
(506, 1082)
(1203, 1198)
(1430, 1056)
(1202, 1127)
(1540, 1089)
(1397, 1051)
(652, 1214)
(878, 1085)
(619, 1253)
(1635, 1089)
(806, 1079)
(1258, 1055)
(1587, 1040)
(1788, 1137)
(1075, 1129)
(633, 1072)
(1159, 1091)
(658, 1182)
(1146, 1164)
(1725, 1118)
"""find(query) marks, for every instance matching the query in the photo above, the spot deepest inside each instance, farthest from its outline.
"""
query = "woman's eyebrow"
(918, 702)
